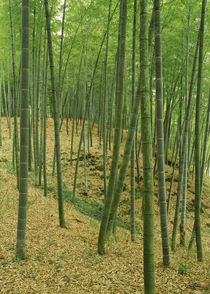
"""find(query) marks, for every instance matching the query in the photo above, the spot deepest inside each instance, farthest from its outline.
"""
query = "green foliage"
(49, 242)
(94, 209)
(7, 167)
(91, 208)
(4, 263)
(51, 189)
(32, 276)
(63, 256)
(5, 44)
(184, 268)
(52, 285)
(58, 266)
(93, 258)
(12, 247)
(67, 279)
(16, 259)
(3, 159)
(138, 194)
(40, 254)
(93, 223)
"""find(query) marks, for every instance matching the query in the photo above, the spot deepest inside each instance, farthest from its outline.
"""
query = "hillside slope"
(66, 260)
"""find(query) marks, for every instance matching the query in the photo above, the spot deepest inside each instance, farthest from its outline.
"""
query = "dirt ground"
(66, 260)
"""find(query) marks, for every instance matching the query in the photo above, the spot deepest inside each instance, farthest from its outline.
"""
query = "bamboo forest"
(104, 146)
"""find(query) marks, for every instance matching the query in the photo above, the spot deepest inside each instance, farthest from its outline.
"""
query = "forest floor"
(66, 260)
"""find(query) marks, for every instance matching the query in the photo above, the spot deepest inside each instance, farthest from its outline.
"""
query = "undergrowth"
(92, 208)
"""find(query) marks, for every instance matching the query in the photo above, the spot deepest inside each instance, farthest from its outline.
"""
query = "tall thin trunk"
(45, 126)
(61, 52)
(124, 164)
(148, 189)
(75, 115)
(38, 106)
(184, 196)
(6, 106)
(33, 104)
(85, 113)
(181, 163)
(105, 100)
(56, 121)
(118, 125)
(197, 139)
(160, 138)
(132, 181)
(16, 145)
(24, 118)
(39, 98)
(9, 99)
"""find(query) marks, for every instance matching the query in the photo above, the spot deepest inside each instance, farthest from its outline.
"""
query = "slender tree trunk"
(34, 105)
(24, 118)
(56, 121)
(85, 113)
(148, 192)
(38, 104)
(197, 139)
(105, 100)
(8, 102)
(45, 126)
(124, 164)
(16, 145)
(75, 108)
(181, 163)
(6, 106)
(132, 181)
(61, 50)
(184, 196)
(160, 138)
(118, 125)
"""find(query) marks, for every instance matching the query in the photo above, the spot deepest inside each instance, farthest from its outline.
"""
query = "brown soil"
(66, 260)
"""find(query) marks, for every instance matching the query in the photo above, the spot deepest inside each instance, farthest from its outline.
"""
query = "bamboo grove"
(140, 66)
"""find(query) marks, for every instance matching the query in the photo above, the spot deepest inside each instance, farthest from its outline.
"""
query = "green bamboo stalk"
(148, 192)
(105, 101)
(45, 126)
(23, 191)
(184, 195)
(181, 163)
(33, 104)
(56, 121)
(132, 176)
(118, 126)
(197, 139)
(160, 137)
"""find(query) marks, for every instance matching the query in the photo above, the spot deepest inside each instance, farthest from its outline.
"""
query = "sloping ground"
(66, 260)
